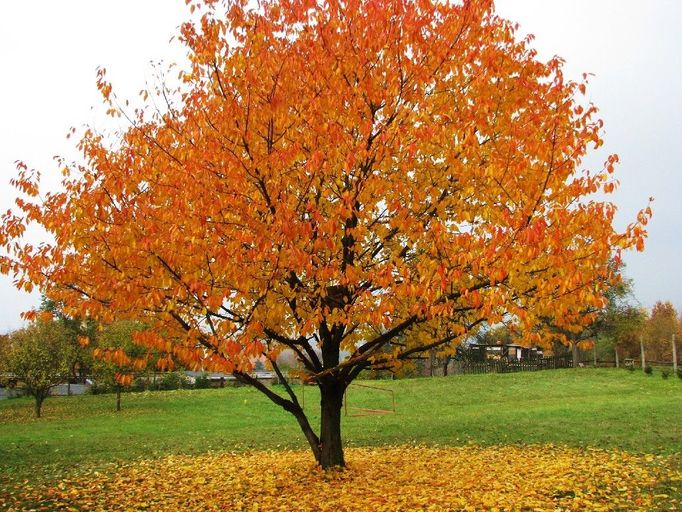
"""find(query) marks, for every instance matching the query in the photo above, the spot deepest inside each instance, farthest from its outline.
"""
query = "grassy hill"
(584, 407)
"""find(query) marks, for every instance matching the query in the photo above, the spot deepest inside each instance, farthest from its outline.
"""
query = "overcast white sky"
(49, 52)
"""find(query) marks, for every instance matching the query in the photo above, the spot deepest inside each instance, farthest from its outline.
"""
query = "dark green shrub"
(93, 389)
(99, 388)
(631, 367)
(202, 381)
(173, 380)
(648, 370)
(139, 384)
(665, 374)
(679, 373)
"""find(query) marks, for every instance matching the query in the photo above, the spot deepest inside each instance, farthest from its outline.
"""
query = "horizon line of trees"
(621, 328)
(66, 350)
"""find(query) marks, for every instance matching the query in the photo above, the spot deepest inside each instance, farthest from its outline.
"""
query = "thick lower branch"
(289, 406)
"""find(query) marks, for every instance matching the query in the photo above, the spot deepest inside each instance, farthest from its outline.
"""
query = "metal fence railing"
(506, 366)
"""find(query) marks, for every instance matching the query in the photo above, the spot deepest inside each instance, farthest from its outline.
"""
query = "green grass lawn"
(585, 407)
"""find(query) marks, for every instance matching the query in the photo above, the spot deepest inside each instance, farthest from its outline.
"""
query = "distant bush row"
(169, 381)
(665, 372)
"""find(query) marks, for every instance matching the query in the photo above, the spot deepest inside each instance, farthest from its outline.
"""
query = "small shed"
(508, 351)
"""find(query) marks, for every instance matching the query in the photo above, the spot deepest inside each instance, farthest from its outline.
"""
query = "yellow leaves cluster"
(381, 479)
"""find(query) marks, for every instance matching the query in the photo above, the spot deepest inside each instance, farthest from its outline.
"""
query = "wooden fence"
(623, 363)
(504, 366)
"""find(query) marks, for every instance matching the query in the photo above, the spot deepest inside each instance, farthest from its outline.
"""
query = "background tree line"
(56, 349)
(619, 327)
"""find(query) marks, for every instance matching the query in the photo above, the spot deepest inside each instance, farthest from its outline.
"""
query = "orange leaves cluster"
(353, 164)
(468, 478)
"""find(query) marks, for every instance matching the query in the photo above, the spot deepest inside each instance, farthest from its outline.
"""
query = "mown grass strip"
(583, 408)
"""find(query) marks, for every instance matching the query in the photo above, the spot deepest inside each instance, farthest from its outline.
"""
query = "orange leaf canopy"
(380, 175)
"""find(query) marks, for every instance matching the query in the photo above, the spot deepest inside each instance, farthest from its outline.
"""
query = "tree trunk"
(39, 405)
(574, 351)
(641, 346)
(308, 432)
(674, 354)
(331, 448)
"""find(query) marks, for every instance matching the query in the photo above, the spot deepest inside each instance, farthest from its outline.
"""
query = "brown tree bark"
(331, 447)
(292, 406)
(39, 395)
(38, 406)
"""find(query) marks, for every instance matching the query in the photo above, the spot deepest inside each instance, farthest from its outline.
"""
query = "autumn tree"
(117, 358)
(660, 326)
(613, 319)
(496, 335)
(370, 179)
(620, 322)
(6, 380)
(38, 356)
(79, 355)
